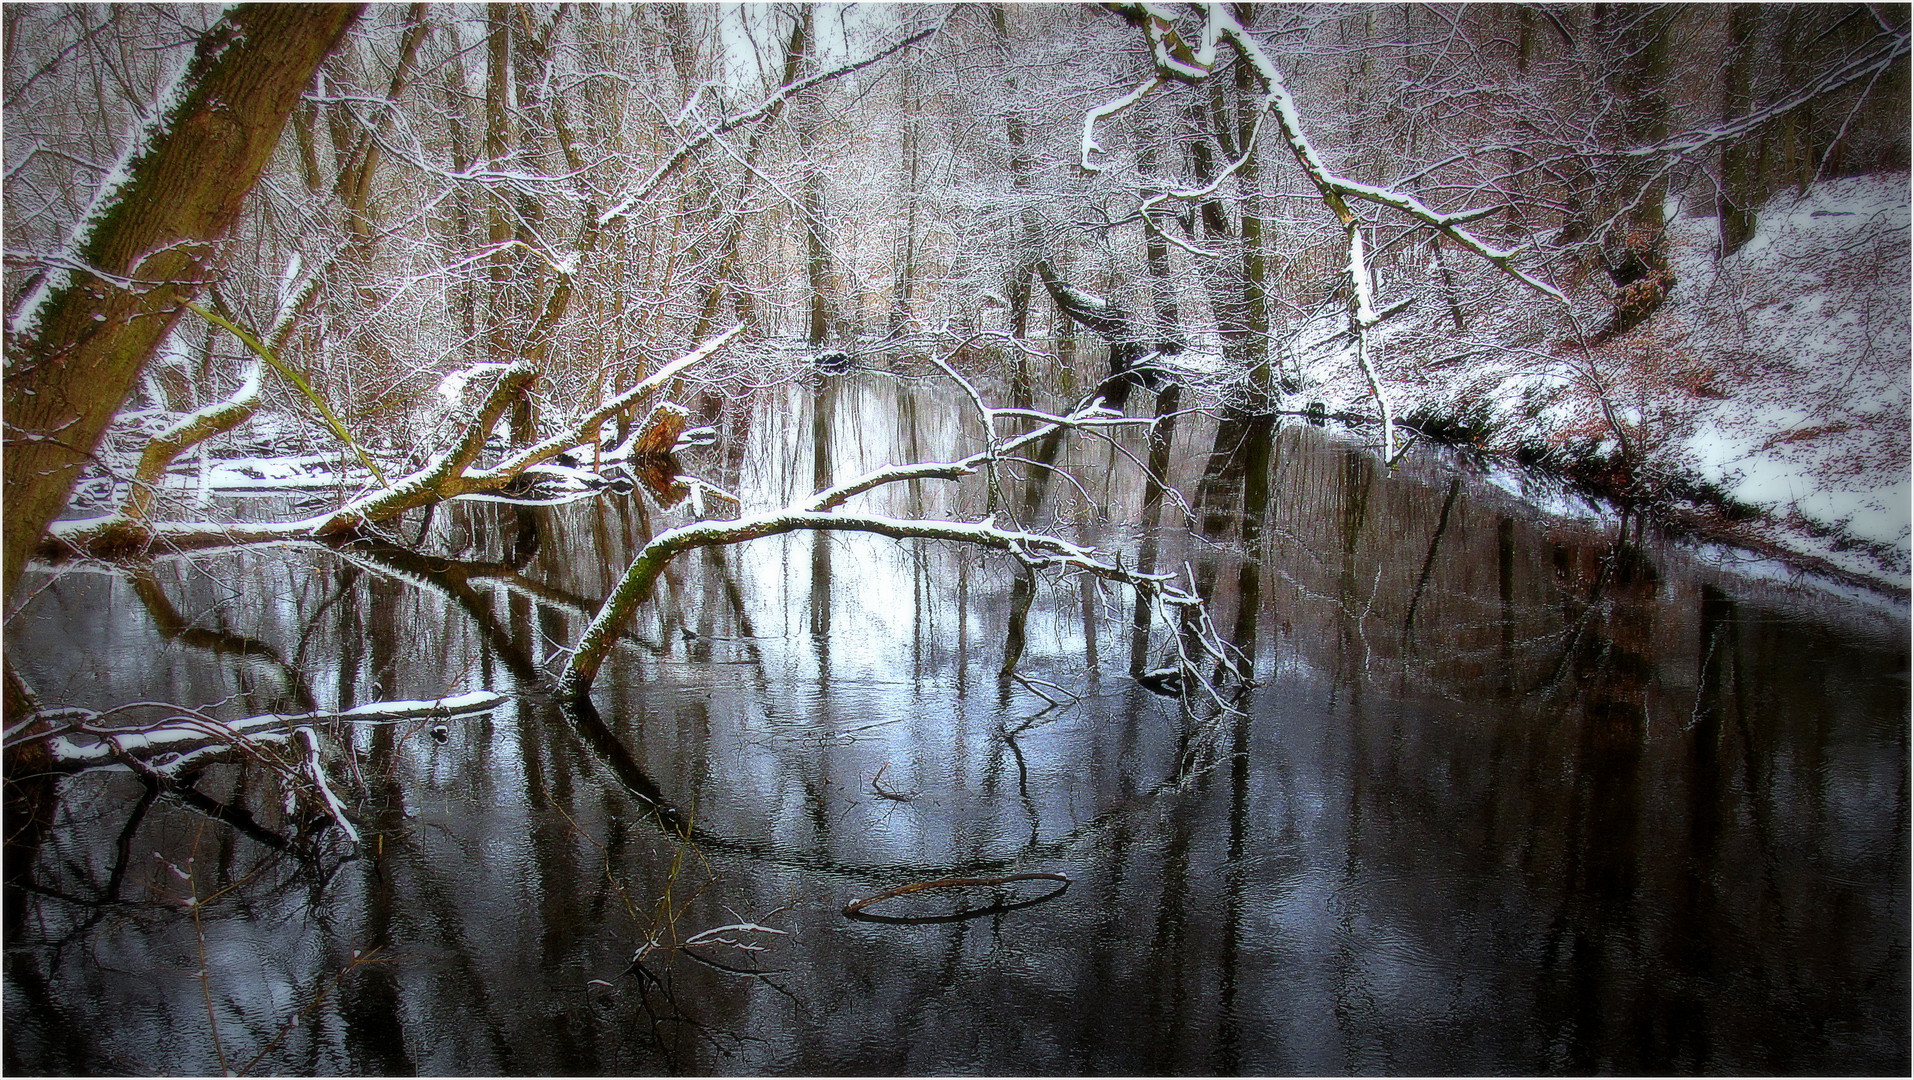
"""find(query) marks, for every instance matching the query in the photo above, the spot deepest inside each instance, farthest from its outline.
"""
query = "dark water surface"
(1516, 794)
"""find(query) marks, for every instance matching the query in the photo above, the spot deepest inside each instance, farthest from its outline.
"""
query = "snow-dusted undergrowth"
(1777, 377)
(1808, 324)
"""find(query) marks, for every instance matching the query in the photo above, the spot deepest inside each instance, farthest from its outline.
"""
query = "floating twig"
(946, 883)
(894, 796)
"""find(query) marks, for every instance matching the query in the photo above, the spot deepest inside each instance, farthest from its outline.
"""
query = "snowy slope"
(1809, 321)
(1780, 375)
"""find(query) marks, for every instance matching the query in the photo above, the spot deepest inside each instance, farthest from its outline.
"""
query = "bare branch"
(776, 100)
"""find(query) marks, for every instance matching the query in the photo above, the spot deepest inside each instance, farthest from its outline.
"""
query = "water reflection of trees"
(1512, 791)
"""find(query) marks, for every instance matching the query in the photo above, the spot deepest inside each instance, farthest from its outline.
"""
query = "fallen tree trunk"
(124, 534)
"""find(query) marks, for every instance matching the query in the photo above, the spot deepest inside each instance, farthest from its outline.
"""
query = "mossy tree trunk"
(73, 357)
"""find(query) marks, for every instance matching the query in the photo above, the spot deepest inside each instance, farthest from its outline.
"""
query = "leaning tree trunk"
(77, 344)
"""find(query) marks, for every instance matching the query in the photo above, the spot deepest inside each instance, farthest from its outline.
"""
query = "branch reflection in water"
(1513, 794)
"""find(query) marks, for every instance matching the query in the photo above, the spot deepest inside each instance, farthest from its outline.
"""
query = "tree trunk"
(1254, 273)
(817, 254)
(76, 349)
(1635, 247)
(794, 51)
(1741, 160)
(907, 104)
(498, 133)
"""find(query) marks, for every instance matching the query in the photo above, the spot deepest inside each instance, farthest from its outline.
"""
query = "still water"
(1515, 793)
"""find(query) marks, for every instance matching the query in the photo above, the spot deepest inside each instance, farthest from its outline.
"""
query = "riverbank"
(1766, 404)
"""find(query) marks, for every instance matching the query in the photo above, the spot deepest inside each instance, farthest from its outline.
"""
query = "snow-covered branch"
(1175, 60)
(448, 476)
(184, 739)
(1104, 112)
(1689, 143)
(186, 432)
(822, 512)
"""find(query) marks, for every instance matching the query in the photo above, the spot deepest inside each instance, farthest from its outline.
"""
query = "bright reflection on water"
(1516, 795)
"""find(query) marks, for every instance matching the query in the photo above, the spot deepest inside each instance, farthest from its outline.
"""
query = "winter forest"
(932, 538)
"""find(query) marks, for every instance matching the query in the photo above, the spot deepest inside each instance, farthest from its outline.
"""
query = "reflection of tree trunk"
(295, 695)
(1222, 470)
(1228, 1054)
(31, 800)
(963, 624)
(41, 1010)
(1087, 592)
(1604, 829)
(123, 855)
(823, 417)
(734, 599)
(1356, 1019)
(1023, 589)
(1162, 433)
(525, 537)
(1428, 562)
(1505, 584)
(1696, 911)
(1249, 602)
(1168, 995)
(1358, 477)
(1259, 463)
(369, 1003)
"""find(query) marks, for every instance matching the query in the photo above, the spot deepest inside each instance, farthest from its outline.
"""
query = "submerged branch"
(856, 906)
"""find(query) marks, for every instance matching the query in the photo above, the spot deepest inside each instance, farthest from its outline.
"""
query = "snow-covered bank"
(1768, 397)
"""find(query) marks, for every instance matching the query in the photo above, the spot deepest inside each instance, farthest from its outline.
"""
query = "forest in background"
(1042, 284)
(1469, 219)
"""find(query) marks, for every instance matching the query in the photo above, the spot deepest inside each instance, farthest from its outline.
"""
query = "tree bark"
(1635, 247)
(1740, 161)
(74, 353)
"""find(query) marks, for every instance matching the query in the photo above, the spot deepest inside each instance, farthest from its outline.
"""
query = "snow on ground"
(1780, 374)
(1809, 322)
